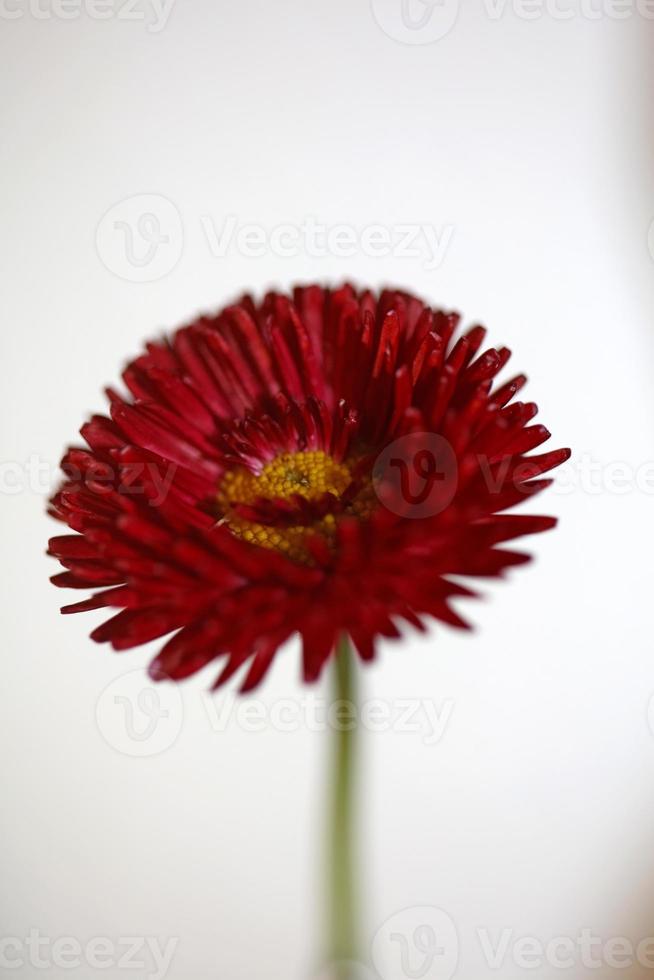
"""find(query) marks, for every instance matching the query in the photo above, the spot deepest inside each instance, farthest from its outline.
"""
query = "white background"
(532, 141)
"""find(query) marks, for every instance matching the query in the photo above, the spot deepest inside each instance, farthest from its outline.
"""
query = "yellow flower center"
(309, 475)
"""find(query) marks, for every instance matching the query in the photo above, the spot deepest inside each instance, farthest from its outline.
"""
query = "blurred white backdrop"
(517, 142)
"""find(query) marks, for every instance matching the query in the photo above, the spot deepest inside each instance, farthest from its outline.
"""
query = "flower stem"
(342, 896)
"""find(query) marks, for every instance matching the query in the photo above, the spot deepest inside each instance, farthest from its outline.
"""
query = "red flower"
(246, 490)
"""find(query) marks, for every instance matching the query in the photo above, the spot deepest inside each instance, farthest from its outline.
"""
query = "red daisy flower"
(320, 464)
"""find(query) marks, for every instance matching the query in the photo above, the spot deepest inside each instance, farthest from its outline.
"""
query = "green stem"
(342, 898)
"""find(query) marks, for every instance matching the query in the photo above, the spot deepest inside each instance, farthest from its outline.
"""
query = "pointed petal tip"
(156, 672)
(249, 684)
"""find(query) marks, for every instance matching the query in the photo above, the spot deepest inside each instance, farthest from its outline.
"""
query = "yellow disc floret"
(309, 475)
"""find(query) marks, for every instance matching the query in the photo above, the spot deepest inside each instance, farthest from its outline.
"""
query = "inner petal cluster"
(292, 497)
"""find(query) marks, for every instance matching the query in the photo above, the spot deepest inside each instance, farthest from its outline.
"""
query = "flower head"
(320, 463)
